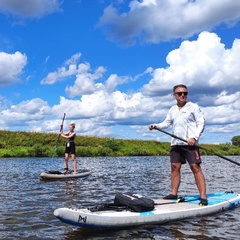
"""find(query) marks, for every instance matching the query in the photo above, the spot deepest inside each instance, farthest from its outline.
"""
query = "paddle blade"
(55, 152)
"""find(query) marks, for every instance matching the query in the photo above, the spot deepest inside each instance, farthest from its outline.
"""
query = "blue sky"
(111, 65)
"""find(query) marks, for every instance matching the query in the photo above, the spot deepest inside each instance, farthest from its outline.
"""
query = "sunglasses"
(181, 93)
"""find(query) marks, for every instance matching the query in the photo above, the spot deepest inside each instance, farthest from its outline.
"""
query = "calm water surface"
(27, 203)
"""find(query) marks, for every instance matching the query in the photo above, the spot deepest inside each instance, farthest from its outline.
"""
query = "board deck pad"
(164, 211)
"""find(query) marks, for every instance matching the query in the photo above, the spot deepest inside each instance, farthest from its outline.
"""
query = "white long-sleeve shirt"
(187, 122)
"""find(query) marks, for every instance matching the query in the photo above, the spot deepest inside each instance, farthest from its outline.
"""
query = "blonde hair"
(72, 124)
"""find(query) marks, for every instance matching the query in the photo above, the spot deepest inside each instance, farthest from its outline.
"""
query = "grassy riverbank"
(32, 144)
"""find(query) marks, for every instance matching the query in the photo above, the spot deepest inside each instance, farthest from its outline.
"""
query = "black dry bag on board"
(135, 202)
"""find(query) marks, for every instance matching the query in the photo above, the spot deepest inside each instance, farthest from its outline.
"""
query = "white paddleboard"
(164, 211)
(58, 175)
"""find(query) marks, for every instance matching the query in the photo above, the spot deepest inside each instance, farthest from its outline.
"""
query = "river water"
(27, 203)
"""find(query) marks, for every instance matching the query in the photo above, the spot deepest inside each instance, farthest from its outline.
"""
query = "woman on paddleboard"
(70, 148)
(188, 123)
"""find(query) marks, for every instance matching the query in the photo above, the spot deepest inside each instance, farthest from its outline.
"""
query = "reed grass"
(33, 144)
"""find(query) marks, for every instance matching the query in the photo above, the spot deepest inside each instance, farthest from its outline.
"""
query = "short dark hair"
(179, 85)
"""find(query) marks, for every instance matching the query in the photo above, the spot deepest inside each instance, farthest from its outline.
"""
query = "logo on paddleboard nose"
(82, 219)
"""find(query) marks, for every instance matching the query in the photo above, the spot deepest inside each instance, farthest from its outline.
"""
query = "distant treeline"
(33, 144)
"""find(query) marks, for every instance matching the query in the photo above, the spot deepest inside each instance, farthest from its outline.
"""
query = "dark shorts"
(181, 154)
(70, 148)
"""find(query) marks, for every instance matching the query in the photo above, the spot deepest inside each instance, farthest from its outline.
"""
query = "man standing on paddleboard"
(70, 148)
(188, 123)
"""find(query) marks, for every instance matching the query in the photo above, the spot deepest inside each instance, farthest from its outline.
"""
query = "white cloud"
(3, 103)
(224, 109)
(73, 59)
(224, 114)
(229, 128)
(28, 108)
(224, 98)
(69, 69)
(89, 106)
(25, 114)
(205, 65)
(114, 80)
(11, 67)
(162, 20)
(200, 64)
(29, 8)
(85, 81)
(97, 130)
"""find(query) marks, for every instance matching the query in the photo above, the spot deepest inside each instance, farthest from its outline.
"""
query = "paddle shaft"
(210, 151)
(61, 128)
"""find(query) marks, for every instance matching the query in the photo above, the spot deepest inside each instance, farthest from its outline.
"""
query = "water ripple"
(27, 203)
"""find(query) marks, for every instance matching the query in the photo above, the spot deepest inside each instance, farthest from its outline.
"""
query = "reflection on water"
(27, 203)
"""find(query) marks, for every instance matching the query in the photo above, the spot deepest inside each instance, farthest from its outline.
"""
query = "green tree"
(236, 141)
